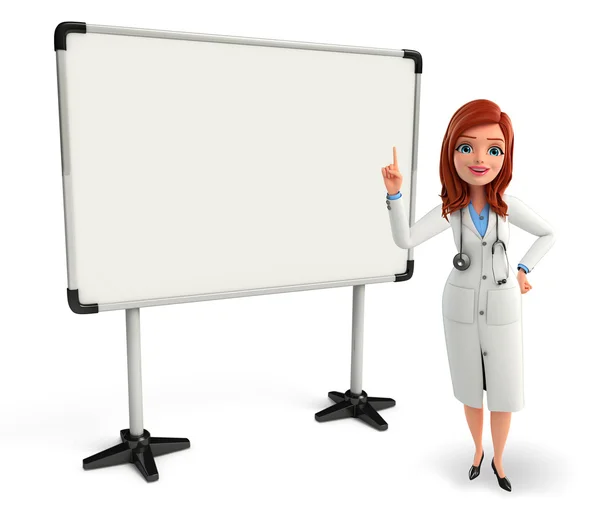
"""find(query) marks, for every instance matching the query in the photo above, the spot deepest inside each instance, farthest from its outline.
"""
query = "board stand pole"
(355, 402)
(137, 446)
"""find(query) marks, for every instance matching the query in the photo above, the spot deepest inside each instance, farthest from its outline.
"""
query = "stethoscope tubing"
(462, 261)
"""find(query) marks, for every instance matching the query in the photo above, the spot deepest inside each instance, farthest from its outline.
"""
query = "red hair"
(455, 191)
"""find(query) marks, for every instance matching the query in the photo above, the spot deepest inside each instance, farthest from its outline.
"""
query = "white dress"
(482, 320)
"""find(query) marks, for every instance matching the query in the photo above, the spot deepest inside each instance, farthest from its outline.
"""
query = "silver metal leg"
(358, 325)
(134, 372)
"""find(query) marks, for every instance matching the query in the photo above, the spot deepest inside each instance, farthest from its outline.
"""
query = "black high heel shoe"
(504, 483)
(474, 471)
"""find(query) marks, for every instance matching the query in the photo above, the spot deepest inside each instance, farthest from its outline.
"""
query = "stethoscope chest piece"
(461, 261)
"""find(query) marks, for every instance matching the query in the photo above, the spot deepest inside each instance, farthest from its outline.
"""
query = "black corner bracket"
(78, 308)
(410, 267)
(415, 56)
(63, 29)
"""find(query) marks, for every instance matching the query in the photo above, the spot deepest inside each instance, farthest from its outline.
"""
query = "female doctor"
(481, 303)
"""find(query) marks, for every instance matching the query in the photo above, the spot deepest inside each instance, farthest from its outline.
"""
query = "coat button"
(481, 312)
(484, 277)
(484, 243)
(485, 354)
(389, 208)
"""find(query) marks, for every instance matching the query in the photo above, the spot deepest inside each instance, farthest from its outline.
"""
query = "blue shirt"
(479, 220)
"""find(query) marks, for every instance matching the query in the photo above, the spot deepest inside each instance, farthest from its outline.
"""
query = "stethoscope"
(462, 261)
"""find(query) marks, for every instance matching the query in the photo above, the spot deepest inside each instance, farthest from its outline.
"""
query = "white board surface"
(202, 169)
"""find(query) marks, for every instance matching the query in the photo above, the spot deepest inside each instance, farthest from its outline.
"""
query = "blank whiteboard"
(199, 167)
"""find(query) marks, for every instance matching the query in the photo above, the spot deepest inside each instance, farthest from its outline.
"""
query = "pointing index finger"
(395, 158)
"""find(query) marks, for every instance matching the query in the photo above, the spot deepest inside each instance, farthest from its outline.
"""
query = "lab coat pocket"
(458, 303)
(503, 306)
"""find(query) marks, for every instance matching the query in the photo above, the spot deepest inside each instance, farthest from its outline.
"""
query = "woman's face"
(479, 154)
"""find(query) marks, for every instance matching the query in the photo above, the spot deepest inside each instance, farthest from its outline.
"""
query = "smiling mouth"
(479, 170)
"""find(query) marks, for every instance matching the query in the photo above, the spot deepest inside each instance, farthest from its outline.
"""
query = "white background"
(243, 378)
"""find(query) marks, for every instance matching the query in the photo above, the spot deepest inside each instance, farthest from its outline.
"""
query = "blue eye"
(495, 151)
(464, 148)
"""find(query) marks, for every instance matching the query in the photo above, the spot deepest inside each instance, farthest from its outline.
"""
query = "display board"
(200, 167)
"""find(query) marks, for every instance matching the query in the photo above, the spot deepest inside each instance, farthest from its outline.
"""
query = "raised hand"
(392, 177)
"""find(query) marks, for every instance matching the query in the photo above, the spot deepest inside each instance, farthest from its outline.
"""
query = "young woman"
(481, 302)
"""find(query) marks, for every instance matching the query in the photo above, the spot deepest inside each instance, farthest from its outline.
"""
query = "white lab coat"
(482, 320)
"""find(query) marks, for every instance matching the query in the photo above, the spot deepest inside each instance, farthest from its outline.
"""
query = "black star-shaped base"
(359, 406)
(139, 450)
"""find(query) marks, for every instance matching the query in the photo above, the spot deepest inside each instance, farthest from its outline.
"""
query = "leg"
(355, 402)
(145, 463)
(164, 445)
(136, 446)
(134, 371)
(475, 421)
(119, 454)
(358, 321)
(500, 422)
